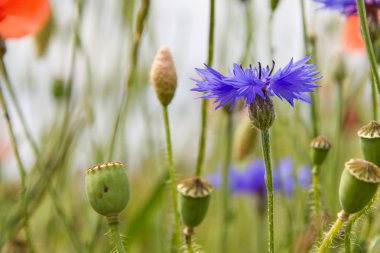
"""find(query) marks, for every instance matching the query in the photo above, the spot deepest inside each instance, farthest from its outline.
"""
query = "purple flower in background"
(251, 180)
(284, 169)
(304, 176)
(348, 7)
(291, 83)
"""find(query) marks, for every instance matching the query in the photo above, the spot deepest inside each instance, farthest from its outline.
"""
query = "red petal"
(352, 38)
(22, 17)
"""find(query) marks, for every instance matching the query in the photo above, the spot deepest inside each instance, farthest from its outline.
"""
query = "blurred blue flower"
(252, 179)
(348, 7)
(290, 83)
(304, 176)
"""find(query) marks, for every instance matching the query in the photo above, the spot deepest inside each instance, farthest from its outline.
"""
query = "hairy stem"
(114, 226)
(342, 217)
(172, 178)
(269, 184)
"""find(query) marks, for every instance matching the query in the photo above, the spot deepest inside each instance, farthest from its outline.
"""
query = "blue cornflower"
(348, 7)
(291, 83)
(251, 180)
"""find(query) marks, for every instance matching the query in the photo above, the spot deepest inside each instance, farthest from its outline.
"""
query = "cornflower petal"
(294, 81)
(347, 7)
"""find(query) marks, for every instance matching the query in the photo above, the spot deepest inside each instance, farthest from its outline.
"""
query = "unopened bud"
(261, 112)
(245, 140)
(163, 76)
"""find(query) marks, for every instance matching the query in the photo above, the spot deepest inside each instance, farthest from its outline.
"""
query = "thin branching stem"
(133, 58)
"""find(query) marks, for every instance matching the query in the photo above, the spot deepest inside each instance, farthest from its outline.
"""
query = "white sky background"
(183, 26)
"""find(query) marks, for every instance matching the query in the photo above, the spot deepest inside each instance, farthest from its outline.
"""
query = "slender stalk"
(189, 244)
(210, 56)
(342, 217)
(70, 229)
(315, 172)
(374, 98)
(21, 169)
(309, 51)
(16, 103)
(368, 43)
(249, 32)
(114, 226)
(226, 185)
(172, 178)
(133, 57)
(269, 184)
(351, 222)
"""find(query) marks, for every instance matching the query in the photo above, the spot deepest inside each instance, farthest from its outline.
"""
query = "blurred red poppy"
(351, 35)
(22, 17)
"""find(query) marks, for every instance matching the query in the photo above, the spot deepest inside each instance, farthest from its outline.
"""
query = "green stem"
(172, 178)
(308, 51)
(210, 56)
(249, 32)
(21, 169)
(269, 184)
(114, 226)
(133, 57)
(226, 185)
(374, 98)
(14, 99)
(368, 43)
(342, 217)
(315, 172)
(351, 222)
(70, 229)
(189, 244)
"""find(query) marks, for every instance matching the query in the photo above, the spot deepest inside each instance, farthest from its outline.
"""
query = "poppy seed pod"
(163, 76)
(261, 112)
(194, 199)
(320, 146)
(358, 184)
(370, 142)
(107, 188)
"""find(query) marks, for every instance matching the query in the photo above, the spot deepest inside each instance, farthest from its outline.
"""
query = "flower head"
(22, 17)
(348, 7)
(291, 83)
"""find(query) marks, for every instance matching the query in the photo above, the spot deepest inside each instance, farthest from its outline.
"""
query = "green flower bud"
(358, 185)
(244, 140)
(261, 112)
(320, 146)
(42, 38)
(163, 76)
(370, 142)
(194, 199)
(107, 188)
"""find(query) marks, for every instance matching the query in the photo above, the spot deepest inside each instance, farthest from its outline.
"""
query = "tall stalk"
(172, 179)
(210, 56)
(269, 184)
(226, 185)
